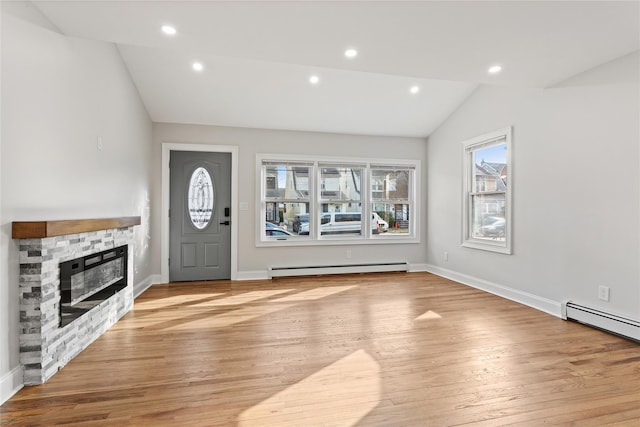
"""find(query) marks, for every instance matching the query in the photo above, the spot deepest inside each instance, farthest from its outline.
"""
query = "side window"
(341, 194)
(392, 201)
(487, 192)
(285, 200)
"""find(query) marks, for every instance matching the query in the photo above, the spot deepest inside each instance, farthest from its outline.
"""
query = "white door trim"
(167, 147)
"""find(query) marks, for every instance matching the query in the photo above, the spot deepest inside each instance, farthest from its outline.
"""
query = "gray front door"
(200, 217)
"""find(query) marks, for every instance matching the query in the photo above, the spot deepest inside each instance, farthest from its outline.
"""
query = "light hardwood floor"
(391, 349)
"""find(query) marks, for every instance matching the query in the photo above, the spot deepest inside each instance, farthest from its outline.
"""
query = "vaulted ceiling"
(258, 56)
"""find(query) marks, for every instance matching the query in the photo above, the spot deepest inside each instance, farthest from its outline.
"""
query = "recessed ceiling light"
(350, 53)
(495, 69)
(414, 89)
(314, 80)
(169, 30)
(197, 66)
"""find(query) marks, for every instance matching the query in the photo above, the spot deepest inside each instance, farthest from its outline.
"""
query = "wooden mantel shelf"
(42, 229)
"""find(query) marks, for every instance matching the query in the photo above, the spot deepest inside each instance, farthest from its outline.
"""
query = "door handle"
(225, 223)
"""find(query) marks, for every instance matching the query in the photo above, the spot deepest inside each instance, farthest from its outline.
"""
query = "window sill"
(390, 240)
(487, 246)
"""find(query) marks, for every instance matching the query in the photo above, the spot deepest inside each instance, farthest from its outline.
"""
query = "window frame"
(315, 202)
(497, 137)
(411, 190)
(321, 200)
(265, 199)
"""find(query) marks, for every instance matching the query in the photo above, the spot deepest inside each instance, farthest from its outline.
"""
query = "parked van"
(381, 224)
(339, 223)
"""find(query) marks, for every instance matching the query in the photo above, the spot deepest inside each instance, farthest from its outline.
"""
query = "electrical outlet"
(348, 253)
(603, 293)
(99, 144)
(446, 256)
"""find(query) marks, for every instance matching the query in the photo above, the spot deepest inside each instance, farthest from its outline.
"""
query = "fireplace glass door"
(87, 281)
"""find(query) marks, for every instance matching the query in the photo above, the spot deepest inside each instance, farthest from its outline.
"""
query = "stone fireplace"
(76, 281)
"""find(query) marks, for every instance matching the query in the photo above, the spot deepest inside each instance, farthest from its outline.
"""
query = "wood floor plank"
(365, 349)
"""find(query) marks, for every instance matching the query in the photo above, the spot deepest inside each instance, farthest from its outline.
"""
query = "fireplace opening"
(86, 282)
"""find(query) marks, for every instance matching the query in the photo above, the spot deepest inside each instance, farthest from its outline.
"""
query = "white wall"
(59, 95)
(252, 259)
(576, 194)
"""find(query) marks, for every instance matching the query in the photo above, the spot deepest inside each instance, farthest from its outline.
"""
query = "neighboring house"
(272, 191)
(342, 189)
(391, 187)
(491, 178)
(296, 187)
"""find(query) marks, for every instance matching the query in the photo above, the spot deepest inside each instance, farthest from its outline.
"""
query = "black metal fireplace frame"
(71, 310)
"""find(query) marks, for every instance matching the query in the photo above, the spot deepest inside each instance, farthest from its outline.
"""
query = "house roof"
(499, 168)
(495, 170)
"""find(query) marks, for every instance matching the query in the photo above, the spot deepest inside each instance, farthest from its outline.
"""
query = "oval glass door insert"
(201, 198)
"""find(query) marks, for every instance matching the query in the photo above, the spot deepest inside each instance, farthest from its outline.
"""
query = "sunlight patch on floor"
(429, 315)
(175, 300)
(350, 386)
(314, 294)
(243, 298)
(229, 318)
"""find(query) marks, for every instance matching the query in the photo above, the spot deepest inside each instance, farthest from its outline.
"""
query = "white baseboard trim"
(543, 304)
(253, 275)
(145, 284)
(10, 384)
(416, 268)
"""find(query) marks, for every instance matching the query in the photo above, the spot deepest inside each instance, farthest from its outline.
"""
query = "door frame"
(167, 148)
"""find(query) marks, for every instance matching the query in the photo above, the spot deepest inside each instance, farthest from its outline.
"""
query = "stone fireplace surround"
(45, 347)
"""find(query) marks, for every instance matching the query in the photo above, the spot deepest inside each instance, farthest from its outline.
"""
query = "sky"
(493, 154)
(282, 176)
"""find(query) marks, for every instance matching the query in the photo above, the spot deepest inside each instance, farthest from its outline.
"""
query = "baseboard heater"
(310, 270)
(608, 322)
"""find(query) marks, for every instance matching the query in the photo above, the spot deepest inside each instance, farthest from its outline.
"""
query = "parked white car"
(340, 223)
(381, 224)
